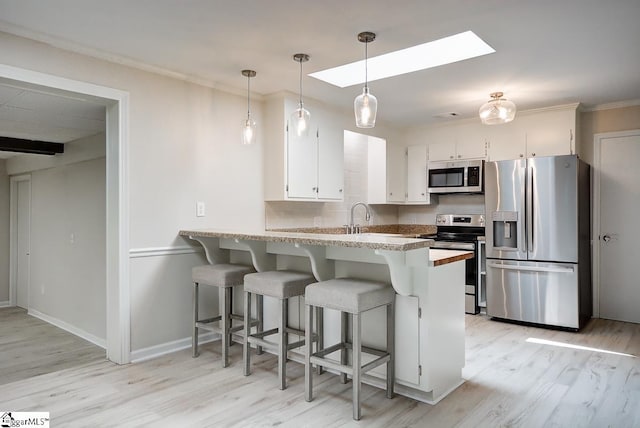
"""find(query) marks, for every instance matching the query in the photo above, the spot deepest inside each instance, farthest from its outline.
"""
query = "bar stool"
(280, 284)
(350, 297)
(225, 277)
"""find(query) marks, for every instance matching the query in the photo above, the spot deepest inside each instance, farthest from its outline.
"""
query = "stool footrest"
(263, 334)
(210, 320)
(330, 350)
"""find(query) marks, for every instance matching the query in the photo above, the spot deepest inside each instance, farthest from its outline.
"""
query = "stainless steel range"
(464, 232)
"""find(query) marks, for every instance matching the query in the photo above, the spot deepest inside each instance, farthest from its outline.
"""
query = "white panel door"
(23, 232)
(619, 231)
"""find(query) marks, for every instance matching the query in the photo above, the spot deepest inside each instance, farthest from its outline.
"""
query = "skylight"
(427, 55)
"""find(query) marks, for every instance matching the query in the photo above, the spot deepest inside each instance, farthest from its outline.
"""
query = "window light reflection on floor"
(569, 345)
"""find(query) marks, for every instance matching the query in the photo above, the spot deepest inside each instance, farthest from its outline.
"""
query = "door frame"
(116, 104)
(13, 235)
(595, 247)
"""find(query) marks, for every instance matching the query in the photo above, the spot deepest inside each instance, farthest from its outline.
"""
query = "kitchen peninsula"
(429, 302)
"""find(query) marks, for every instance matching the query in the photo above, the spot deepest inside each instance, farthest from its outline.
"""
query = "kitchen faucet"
(353, 228)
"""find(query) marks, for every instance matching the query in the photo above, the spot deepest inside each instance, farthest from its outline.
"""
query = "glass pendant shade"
(249, 133)
(365, 105)
(300, 120)
(366, 108)
(497, 110)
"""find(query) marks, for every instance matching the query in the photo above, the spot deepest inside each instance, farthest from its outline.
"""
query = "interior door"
(23, 221)
(619, 231)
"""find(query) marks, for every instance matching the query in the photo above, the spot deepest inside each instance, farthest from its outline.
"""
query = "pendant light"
(366, 104)
(248, 125)
(300, 118)
(497, 110)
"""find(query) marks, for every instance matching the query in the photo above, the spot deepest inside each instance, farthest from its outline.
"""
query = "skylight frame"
(447, 50)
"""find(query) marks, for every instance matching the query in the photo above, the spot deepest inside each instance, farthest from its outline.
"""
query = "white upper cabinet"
(396, 174)
(308, 168)
(457, 143)
(417, 174)
(547, 132)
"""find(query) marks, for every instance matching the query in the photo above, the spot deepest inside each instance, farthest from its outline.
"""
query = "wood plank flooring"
(510, 383)
(31, 347)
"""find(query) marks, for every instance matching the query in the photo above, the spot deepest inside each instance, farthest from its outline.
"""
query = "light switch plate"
(200, 209)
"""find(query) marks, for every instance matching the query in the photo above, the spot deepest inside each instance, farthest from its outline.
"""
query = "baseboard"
(5, 304)
(164, 251)
(155, 351)
(70, 328)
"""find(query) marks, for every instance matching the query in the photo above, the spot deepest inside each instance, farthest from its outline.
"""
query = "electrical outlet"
(200, 209)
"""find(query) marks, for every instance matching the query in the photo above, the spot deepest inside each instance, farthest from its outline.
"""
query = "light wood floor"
(30, 347)
(510, 382)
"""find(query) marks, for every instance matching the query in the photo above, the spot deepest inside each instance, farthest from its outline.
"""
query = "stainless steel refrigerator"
(538, 248)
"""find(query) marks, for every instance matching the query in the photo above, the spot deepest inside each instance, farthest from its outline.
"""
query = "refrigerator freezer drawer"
(542, 293)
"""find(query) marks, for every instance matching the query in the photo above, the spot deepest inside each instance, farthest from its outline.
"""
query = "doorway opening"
(116, 103)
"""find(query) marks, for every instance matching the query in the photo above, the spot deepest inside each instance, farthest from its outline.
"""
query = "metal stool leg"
(282, 349)
(391, 349)
(344, 323)
(224, 294)
(308, 373)
(357, 365)
(260, 316)
(319, 334)
(246, 355)
(194, 337)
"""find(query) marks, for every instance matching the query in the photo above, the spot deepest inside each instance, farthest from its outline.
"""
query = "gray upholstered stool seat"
(282, 285)
(351, 297)
(224, 276)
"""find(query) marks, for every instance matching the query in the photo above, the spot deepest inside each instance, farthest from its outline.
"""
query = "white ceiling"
(547, 52)
(36, 113)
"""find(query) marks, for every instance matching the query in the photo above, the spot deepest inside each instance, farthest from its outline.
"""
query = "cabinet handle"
(521, 155)
(451, 157)
(459, 156)
(422, 193)
(533, 154)
(340, 190)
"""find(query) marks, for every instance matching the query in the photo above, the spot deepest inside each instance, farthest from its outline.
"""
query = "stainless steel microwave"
(456, 177)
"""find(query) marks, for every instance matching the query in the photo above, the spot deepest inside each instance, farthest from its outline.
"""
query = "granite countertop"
(372, 241)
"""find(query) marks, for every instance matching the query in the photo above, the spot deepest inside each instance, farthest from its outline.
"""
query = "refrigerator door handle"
(556, 269)
(522, 238)
(530, 208)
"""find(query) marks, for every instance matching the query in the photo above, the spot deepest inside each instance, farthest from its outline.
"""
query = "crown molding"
(610, 106)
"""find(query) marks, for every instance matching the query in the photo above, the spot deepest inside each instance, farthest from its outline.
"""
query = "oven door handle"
(532, 268)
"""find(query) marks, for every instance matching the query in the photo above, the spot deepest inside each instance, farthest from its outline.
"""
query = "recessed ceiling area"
(547, 53)
(36, 113)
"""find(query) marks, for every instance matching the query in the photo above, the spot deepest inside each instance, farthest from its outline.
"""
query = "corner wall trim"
(155, 351)
(163, 251)
(70, 328)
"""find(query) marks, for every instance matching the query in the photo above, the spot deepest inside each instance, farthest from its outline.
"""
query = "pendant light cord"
(366, 64)
(248, 97)
(301, 82)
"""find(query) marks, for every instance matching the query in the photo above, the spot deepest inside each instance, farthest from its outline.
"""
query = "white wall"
(4, 233)
(68, 242)
(68, 234)
(184, 147)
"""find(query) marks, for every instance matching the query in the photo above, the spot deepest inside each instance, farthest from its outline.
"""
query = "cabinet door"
(417, 174)
(396, 174)
(376, 170)
(330, 160)
(506, 141)
(302, 164)
(442, 151)
(551, 134)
